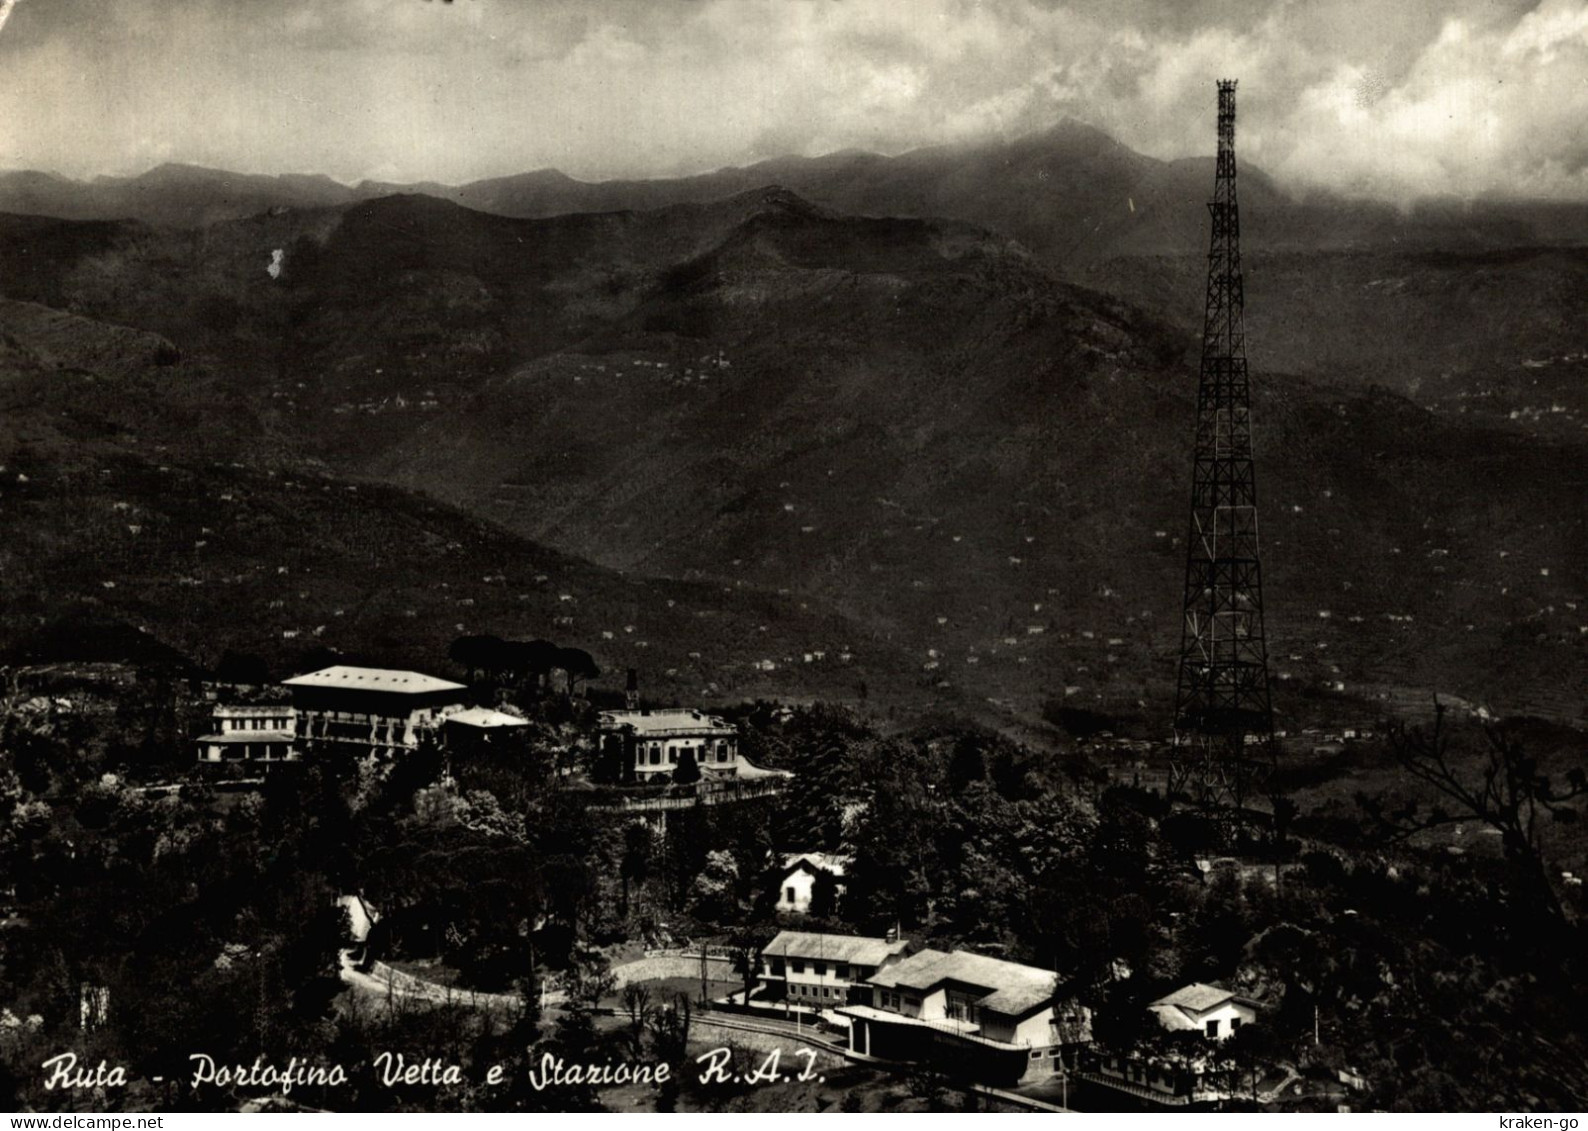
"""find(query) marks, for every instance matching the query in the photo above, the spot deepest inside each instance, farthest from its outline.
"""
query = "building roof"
(829, 862)
(485, 719)
(1174, 1019)
(1198, 997)
(673, 721)
(241, 737)
(1010, 988)
(249, 710)
(346, 678)
(856, 949)
(749, 771)
(966, 1030)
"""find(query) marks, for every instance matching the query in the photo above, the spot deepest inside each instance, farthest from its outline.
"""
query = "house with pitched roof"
(811, 880)
(1215, 1013)
(823, 971)
(976, 1017)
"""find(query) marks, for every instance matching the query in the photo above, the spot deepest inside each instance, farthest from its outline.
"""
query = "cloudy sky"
(1387, 97)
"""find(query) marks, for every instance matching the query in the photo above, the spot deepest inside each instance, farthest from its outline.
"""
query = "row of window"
(797, 966)
(798, 990)
(282, 722)
(654, 753)
(892, 1000)
(249, 751)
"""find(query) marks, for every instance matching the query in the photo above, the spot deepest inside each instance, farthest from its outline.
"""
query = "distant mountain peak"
(779, 197)
(181, 171)
(1070, 133)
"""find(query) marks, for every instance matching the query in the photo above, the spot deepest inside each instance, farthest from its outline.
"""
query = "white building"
(650, 743)
(367, 711)
(1216, 1014)
(802, 872)
(820, 970)
(984, 1018)
(249, 733)
(481, 725)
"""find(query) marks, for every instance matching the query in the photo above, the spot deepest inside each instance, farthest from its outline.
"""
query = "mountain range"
(1070, 194)
(912, 427)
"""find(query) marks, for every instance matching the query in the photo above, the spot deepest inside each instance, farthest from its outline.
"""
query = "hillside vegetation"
(911, 425)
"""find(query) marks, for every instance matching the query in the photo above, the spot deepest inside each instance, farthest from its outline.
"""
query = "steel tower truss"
(1223, 716)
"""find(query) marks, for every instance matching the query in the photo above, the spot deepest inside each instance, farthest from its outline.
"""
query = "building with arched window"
(650, 743)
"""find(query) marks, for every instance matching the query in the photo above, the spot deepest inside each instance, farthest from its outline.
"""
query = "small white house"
(802, 871)
(1215, 1013)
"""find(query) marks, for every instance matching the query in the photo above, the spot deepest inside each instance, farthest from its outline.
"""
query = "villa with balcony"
(649, 744)
(252, 733)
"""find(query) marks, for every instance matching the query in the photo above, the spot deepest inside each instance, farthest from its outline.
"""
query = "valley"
(913, 428)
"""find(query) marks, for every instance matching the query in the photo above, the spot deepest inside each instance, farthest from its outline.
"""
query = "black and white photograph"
(793, 556)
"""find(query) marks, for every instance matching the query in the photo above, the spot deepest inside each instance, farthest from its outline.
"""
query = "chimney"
(631, 696)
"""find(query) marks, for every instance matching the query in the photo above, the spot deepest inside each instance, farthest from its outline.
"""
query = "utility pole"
(1222, 701)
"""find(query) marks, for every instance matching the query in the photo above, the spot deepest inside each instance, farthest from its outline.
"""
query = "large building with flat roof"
(370, 711)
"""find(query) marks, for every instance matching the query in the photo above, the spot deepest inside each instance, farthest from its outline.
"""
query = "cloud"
(1480, 110)
(1467, 97)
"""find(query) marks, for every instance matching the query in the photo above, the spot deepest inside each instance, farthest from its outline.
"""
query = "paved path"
(386, 983)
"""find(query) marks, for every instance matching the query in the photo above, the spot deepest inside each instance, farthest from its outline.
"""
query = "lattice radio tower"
(1224, 723)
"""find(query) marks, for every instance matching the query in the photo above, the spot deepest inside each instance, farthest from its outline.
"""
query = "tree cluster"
(490, 659)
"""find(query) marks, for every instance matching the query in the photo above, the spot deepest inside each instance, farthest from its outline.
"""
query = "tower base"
(1219, 771)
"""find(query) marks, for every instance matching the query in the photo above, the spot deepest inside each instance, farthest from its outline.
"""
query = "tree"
(635, 867)
(241, 667)
(577, 665)
(967, 764)
(670, 1025)
(746, 952)
(1285, 813)
(930, 1083)
(539, 657)
(637, 1005)
(670, 1045)
(481, 656)
(713, 890)
(1506, 790)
